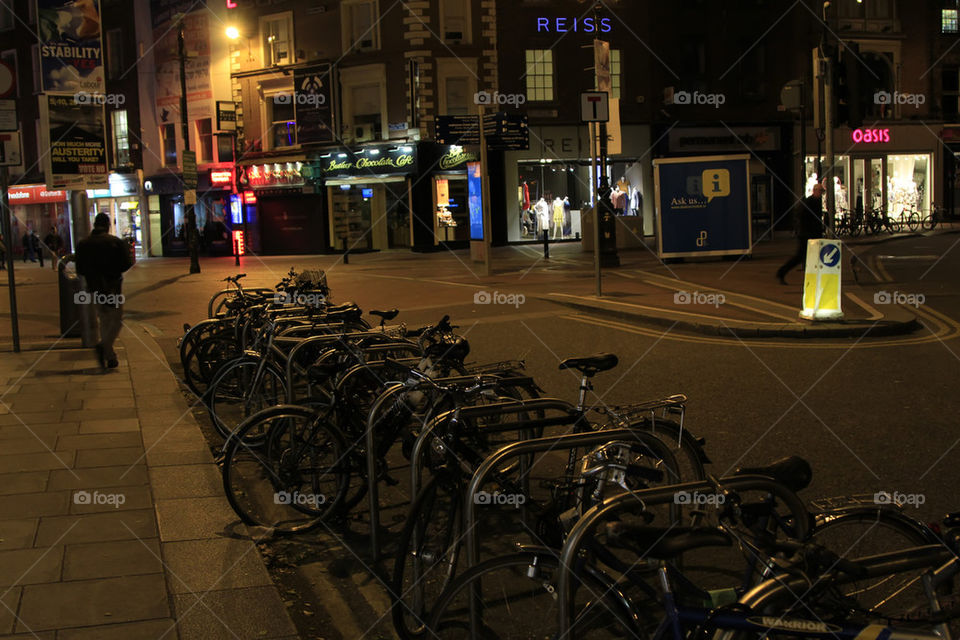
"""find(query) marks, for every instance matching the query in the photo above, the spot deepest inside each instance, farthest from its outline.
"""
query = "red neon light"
(249, 197)
(238, 243)
(231, 4)
(35, 194)
(870, 135)
(221, 176)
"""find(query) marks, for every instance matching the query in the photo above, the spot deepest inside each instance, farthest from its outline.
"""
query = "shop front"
(369, 198)
(282, 211)
(121, 202)
(887, 170)
(38, 209)
(214, 188)
(449, 194)
(549, 185)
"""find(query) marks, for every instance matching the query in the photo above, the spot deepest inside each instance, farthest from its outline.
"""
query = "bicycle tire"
(528, 579)
(437, 509)
(913, 221)
(254, 477)
(206, 359)
(231, 400)
(681, 441)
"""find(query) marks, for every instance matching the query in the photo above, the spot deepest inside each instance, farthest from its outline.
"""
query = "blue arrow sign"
(830, 255)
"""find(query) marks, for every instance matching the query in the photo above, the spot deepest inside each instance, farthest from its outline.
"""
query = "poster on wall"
(312, 98)
(475, 194)
(71, 52)
(196, 42)
(78, 154)
(703, 206)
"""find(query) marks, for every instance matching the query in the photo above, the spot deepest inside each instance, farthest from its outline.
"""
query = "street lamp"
(233, 33)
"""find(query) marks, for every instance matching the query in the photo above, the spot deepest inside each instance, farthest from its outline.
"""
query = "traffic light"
(847, 95)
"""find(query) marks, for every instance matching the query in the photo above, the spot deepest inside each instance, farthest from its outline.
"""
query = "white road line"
(874, 314)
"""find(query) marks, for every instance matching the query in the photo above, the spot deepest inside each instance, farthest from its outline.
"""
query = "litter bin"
(74, 318)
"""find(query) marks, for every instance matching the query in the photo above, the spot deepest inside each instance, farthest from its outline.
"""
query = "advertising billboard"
(703, 206)
(71, 52)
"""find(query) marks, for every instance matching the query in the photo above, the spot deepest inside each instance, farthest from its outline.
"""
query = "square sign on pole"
(594, 106)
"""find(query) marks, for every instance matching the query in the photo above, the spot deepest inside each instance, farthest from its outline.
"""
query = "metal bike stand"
(661, 495)
(388, 395)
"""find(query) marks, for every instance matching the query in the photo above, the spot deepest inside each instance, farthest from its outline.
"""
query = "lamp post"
(188, 209)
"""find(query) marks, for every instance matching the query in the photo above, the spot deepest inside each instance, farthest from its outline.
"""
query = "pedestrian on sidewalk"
(102, 259)
(37, 246)
(28, 246)
(808, 224)
(54, 245)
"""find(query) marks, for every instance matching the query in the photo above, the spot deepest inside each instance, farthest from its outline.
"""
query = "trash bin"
(74, 312)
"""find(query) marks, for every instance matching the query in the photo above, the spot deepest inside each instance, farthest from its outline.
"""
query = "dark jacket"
(101, 259)
(808, 217)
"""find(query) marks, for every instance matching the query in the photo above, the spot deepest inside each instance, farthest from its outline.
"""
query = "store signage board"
(10, 149)
(226, 115)
(703, 206)
(867, 136)
(373, 162)
(460, 130)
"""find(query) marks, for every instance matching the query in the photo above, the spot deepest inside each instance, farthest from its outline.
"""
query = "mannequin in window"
(619, 200)
(557, 217)
(543, 215)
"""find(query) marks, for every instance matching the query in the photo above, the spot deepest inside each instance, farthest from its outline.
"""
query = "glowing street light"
(233, 33)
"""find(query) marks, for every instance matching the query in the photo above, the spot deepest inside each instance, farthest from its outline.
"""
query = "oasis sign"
(870, 135)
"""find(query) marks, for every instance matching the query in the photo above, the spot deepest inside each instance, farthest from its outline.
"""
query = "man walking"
(37, 246)
(808, 223)
(102, 259)
(54, 245)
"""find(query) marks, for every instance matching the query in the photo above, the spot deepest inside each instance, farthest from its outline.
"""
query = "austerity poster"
(77, 152)
(71, 51)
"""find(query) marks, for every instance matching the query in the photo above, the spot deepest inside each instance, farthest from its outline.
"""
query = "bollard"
(346, 251)
(236, 251)
(546, 245)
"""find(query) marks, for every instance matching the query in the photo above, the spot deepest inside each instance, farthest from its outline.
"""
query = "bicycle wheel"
(688, 450)
(427, 554)
(515, 597)
(202, 363)
(296, 479)
(913, 221)
(864, 531)
(240, 390)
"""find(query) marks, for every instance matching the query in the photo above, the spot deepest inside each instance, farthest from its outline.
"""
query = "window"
(282, 123)
(615, 76)
(168, 144)
(455, 21)
(6, 14)
(456, 84)
(367, 123)
(456, 92)
(364, 102)
(539, 74)
(360, 28)
(205, 140)
(121, 139)
(276, 32)
(10, 57)
(115, 54)
(948, 21)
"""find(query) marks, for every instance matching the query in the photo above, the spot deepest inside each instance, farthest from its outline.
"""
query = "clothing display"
(543, 215)
(618, 198)
(526, 196)
(557, 217)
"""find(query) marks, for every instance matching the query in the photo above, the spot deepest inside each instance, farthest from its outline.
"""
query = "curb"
(741, 329)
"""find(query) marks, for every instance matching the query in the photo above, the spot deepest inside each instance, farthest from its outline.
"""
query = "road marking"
(874, 314)
(785, 307)
(879, 268)
(731, 302)
(633, 306)
(929, 258)
(947, 329)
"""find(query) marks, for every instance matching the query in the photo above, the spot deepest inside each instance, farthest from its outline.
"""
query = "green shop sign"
(369, 162)
(454, 159)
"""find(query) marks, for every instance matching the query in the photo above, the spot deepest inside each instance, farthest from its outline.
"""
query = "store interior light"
(374, 152)
(233, 33)
(341, 155)
(406, 149)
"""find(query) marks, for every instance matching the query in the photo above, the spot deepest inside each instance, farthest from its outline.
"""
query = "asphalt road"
(869, 415)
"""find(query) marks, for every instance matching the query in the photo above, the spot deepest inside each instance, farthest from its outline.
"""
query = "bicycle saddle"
(591, 365)
(664, 543)
(386, 316)
(340, 308)
(793, 472)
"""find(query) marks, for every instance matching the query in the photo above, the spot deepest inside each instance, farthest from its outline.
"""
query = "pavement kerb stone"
(138, 353)
(741, 329)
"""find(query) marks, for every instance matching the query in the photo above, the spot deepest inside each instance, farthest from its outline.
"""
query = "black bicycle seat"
(663, 543)
(591, 365)
(386, 316)
(793, 472)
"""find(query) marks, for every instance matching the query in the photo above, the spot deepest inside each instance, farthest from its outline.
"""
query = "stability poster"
(71, 52)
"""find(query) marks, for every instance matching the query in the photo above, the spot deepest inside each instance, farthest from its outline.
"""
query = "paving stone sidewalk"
(113, 523)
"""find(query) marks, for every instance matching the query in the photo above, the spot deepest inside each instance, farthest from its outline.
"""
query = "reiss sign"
(576, 25)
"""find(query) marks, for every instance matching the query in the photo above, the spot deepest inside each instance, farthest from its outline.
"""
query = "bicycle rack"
(388, 396)
(658, 495)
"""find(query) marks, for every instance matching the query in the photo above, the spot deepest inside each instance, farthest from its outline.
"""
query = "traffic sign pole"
(596, 210)
(5, 224)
